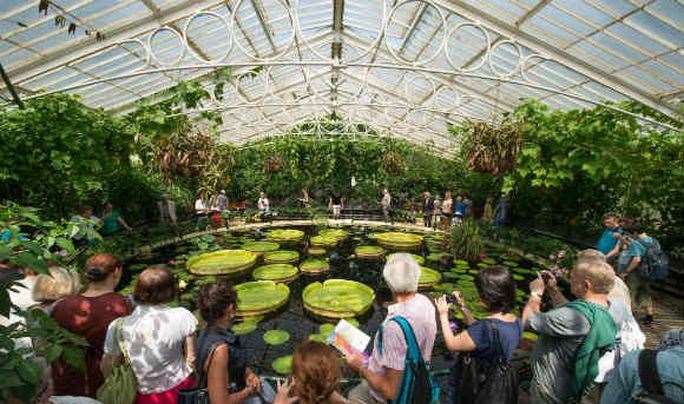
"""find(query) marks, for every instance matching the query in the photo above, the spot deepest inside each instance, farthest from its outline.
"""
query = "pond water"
(293, 317)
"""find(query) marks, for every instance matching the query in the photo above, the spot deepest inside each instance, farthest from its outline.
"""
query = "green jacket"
(601, 338)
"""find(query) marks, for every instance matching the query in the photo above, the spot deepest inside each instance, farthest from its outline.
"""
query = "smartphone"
(546, 277)
(450, 298)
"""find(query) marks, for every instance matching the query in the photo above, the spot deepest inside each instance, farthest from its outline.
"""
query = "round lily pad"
(260, 247)
(490, 261)
(326, 329)
(353, 321)
(222, 262)
(400, 241)
(483, 265)
(283, 365)
(451, 275)
(428, 278)
(461, 263)
(511, 264)
(323, 241)
(531, 336)
(260, 297)
(314, 266)
(369, 252)
(276, 273)
(281, 257)
(338, 234)
(518, 278)
(285, 235)
(338, 298)
(316, 252)
(248, 324)
(322, 338)
(419, 259)
(436, 257)
(276, 337)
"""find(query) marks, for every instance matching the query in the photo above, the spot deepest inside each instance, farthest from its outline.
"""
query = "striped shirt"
(420, 313)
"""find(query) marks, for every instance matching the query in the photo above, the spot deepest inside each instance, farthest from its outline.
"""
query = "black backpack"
(485, 382)
(650, 380)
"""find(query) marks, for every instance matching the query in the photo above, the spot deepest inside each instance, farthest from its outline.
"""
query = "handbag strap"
(119, 339)
(202, 382)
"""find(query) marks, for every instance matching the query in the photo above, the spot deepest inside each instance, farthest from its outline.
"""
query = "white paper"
(348, 339)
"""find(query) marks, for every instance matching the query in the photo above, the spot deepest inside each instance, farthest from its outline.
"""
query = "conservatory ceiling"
(406, 68)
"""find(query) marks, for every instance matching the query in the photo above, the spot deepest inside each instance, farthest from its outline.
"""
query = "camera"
(450, 298)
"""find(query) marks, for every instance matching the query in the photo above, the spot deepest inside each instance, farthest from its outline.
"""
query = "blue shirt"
(460, 209)
(637, 248)
(607, 241)
(625, 382)
(509, 335)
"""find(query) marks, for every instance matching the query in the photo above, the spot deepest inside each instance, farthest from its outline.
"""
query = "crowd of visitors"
(590, 347)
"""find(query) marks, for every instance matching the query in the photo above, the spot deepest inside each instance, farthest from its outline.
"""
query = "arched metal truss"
(408, 68)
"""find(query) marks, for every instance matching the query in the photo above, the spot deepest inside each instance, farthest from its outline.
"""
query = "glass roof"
(407, 68)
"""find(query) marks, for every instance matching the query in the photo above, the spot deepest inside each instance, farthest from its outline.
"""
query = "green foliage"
(58, 153)
(465, 241)
(577, 165)
(30, 242)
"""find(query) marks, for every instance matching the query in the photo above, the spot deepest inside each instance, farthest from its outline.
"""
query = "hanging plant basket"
(260, 297)
(338, 298)
(492, 147)
(223, 262)
(273, 163)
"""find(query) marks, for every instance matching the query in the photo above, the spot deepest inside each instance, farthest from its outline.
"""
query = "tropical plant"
(27, 241)
(490, 147)
(465, 241)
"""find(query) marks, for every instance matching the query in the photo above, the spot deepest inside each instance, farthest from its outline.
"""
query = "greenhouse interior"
(343, 201)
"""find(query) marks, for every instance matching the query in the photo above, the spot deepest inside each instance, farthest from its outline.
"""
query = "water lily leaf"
(276, 337)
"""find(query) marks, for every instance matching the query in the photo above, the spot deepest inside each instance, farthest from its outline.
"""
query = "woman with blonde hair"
(51, 287)
(315, 376)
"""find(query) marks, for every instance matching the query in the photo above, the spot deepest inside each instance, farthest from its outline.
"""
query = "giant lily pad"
(283, 365)
(420, 260)
(276, 272)
(369, 252)
(260, 297)
(437, 257)
(314, 266)
(276, 337)
(285, 235)
(338, 234)
(338, 298)
(316, 252)
(260, 247)
(428, 278)
(223, 262)
(323, 241)
(399, 241)
(281, 257)
(248, 324)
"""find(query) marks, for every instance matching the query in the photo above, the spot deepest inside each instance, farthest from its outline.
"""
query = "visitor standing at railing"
(386, 203)
(382, 375)
(608, 243)
(486, 345)
(428, 206)
(89, 315)
(157, 340)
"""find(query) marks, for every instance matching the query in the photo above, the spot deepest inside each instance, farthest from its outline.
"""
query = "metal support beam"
(11, 88)
(548, 50)
(337, 27)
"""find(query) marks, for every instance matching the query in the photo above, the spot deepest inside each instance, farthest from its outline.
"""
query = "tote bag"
(120, 387)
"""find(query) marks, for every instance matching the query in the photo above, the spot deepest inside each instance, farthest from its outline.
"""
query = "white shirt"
(154, 338)
(200, 207)
(263, 204)
(22, 297)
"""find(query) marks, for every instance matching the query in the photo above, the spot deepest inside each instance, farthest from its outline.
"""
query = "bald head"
(598, 274)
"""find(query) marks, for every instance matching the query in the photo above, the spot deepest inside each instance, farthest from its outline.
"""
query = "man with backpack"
(650, 376)
(397, 370)
(647, 263)
(572, 337)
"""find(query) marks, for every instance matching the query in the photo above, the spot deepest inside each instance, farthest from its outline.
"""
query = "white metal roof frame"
(407, 67)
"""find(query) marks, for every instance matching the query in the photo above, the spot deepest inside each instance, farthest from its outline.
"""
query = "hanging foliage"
(490, 147)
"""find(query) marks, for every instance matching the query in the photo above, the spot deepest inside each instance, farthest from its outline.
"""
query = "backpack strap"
(648, 372)
(412, 350)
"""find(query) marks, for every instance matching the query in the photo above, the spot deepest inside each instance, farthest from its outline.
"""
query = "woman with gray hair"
(382, 374)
